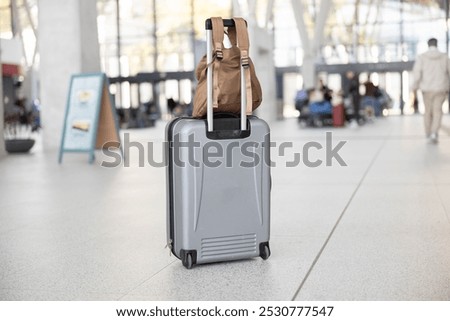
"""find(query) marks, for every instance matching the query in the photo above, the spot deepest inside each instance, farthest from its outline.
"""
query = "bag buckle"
(245, 62)
(218, 53)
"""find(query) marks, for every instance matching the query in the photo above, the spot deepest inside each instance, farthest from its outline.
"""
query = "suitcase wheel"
(188, 258)
(264, 251)
(187, 261)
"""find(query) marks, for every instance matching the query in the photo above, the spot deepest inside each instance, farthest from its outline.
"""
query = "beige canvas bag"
(226, 72)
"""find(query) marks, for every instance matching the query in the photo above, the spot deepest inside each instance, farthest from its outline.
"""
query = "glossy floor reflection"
(377, 229)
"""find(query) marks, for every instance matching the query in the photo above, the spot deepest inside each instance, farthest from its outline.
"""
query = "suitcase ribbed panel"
(228, 245)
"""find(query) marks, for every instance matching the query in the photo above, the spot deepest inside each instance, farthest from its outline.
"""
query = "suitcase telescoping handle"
(209, 78)
(226, 23)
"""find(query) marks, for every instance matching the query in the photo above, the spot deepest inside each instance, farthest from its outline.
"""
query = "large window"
(155, 35)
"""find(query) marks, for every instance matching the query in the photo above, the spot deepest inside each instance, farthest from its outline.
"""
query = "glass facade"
(138, 36)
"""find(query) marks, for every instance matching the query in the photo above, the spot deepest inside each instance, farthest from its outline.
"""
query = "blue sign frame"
(81, 120)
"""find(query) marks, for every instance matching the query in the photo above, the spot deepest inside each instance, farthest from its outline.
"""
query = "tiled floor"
(377, 229)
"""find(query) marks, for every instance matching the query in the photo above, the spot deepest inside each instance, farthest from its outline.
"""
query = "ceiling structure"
(353, 31)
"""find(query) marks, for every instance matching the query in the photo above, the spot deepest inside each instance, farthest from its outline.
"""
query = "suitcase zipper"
(170, 174)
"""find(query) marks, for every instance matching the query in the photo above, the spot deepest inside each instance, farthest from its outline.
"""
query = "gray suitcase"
(218, 204)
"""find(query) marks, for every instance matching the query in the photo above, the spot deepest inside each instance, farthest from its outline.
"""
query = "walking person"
(352, 91)
(432, 76)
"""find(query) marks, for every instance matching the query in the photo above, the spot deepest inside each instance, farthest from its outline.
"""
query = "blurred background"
(377, 229)
(149, 50)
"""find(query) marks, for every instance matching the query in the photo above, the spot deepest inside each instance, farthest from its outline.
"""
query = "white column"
(2, 108)
(321, 20)
(261, 52)
(311, 45)
(68, 44)
(2, 139)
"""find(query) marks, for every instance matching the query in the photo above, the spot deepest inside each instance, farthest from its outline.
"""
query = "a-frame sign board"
(91, 121)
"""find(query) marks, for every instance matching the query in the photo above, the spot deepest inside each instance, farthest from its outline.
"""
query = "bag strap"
(218, 31)
(244, 46)
(231, 33)
(218, 36)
